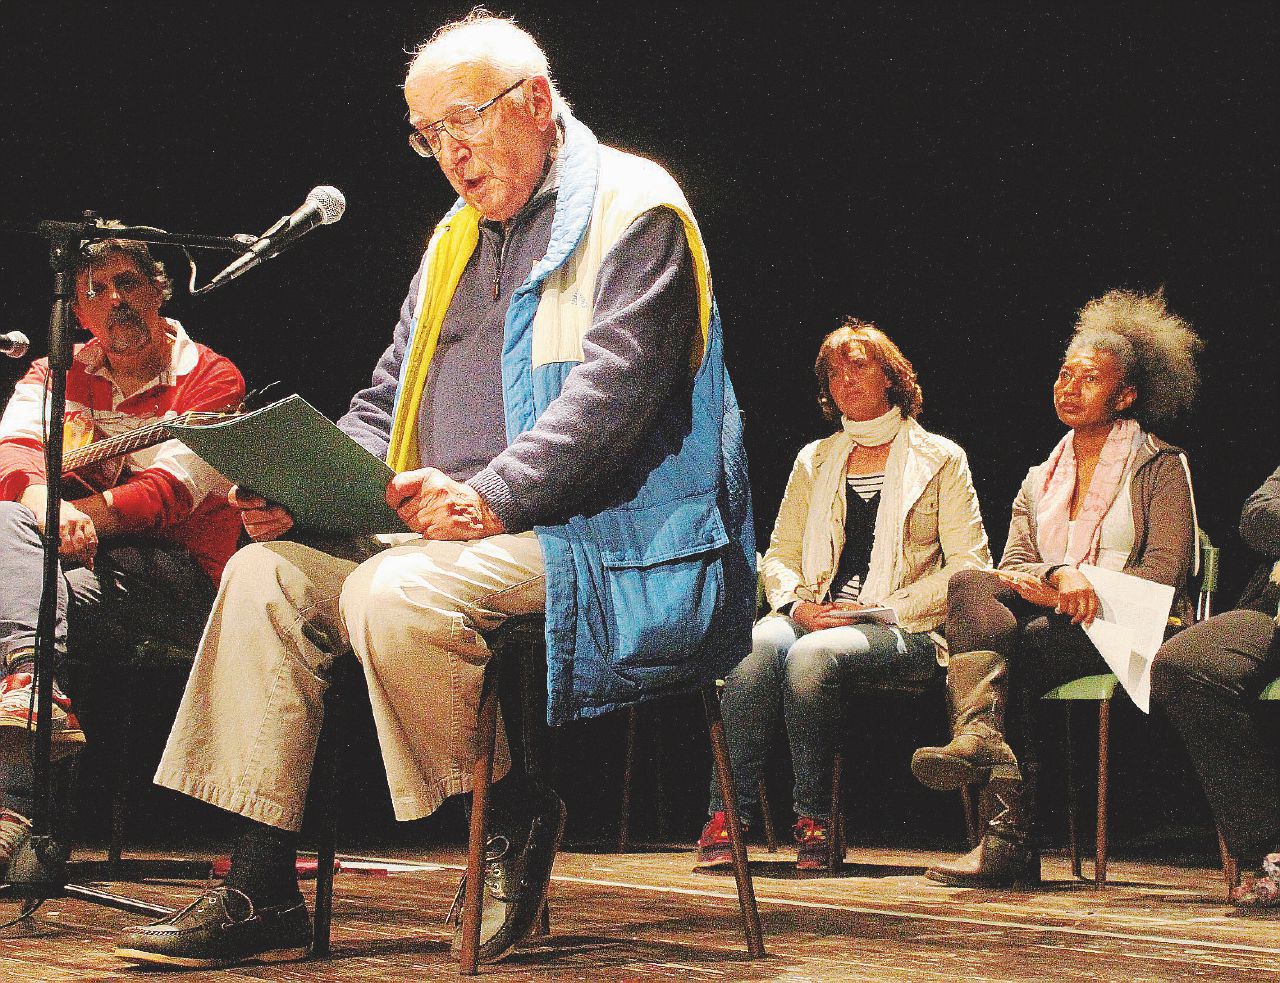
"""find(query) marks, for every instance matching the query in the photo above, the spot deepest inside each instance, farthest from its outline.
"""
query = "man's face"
(497, 171)
(124, 311)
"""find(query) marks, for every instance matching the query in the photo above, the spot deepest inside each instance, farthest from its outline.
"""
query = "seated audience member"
(141, 549)
(882, 512)
(1110, 494)
(1207, 679)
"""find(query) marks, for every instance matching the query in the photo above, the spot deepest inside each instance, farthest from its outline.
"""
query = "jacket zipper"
(503, 239)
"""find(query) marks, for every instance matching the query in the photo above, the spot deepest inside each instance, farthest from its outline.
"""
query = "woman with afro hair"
(1111, 494)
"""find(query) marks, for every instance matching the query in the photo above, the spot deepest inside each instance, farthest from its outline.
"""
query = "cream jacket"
(942, 531)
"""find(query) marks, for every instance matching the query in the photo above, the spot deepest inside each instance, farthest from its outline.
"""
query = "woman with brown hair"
(878, 515)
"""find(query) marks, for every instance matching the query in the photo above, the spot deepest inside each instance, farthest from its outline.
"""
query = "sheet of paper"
(884, 615)
(1129, 628)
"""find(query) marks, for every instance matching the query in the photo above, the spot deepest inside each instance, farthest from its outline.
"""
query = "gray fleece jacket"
(1164, 521)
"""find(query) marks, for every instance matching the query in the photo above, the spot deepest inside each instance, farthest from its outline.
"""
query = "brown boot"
(978, 687)
(1004, 857)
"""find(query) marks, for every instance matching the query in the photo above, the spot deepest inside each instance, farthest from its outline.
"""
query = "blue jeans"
(803, 672)
(139, 588)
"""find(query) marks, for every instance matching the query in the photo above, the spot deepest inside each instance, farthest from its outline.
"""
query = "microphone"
(14, 344)
(324, 206)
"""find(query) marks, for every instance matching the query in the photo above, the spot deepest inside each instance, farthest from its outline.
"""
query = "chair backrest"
(1210, 556)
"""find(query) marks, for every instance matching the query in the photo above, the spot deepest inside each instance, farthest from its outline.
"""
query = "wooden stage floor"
(646, 916)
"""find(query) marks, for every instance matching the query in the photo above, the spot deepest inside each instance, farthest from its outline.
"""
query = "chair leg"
(325, 781)
(481, 777)
(1104, 767)
(628, 760)
(970, 816)
(533, 723)
(532, 734)
(661, 801)
(766, 813)
(741, 872)
(1073, 799)
(1230, 867)
(119, 772)
(835, 839)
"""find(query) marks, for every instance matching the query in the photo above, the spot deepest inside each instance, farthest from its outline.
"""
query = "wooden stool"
(482, 776)
(524, 634)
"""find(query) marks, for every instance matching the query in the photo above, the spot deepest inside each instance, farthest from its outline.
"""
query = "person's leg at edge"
(21, 573)
(1206, 678)
(750, 705)
(817, 668)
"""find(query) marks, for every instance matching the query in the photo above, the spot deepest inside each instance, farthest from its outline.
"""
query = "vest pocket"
(666, 584)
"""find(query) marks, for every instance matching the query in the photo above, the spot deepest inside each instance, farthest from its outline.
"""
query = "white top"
(866, 487)
(1117, 534)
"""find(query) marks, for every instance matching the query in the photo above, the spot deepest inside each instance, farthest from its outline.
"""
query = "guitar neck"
(127, 443)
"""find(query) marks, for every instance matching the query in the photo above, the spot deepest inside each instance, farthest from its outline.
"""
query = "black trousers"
(1042, 649)
(1207, 679)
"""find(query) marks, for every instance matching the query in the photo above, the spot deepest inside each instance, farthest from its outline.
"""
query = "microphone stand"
(39, 868)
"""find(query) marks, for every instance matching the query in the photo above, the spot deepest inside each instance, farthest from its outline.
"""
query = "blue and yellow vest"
(655, 594)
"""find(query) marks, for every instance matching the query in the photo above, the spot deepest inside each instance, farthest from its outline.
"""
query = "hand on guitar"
(78, 536)
(262, 520)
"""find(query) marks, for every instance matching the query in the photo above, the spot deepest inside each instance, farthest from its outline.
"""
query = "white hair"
(480, 38)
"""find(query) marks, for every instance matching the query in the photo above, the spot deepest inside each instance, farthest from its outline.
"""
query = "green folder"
(291, 455)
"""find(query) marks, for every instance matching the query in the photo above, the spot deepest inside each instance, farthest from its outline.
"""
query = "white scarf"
(825, 522)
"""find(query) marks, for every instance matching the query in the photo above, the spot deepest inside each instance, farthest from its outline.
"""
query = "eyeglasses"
(464, 123)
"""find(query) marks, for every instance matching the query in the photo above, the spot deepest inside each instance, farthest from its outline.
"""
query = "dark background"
(965, 176)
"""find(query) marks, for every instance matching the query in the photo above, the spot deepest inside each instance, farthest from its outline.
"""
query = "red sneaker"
(16, 707)
(813, 845)
(714, 849)
(1260, 889)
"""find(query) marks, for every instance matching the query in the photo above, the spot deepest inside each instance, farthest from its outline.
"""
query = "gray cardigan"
(1164, 525)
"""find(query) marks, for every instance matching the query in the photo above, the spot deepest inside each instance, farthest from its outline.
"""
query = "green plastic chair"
(1101, 689)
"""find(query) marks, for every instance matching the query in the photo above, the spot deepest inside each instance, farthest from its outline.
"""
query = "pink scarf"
(1054, 508)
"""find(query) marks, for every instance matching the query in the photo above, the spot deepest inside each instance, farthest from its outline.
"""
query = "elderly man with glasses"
(565, 439)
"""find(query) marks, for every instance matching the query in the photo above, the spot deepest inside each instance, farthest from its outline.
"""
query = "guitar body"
(78, 433)
(93, 479)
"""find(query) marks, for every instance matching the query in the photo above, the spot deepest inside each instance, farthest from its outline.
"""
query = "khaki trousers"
(245, 736)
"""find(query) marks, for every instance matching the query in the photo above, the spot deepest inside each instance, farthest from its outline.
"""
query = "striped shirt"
(863, 497)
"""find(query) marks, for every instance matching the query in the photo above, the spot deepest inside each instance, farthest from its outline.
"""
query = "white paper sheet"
(1129, 628)
(884, 615)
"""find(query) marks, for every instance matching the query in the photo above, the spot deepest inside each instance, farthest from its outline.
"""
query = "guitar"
(97, 466)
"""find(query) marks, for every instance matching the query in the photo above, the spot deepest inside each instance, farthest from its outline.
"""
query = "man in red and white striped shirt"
(145, 544)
